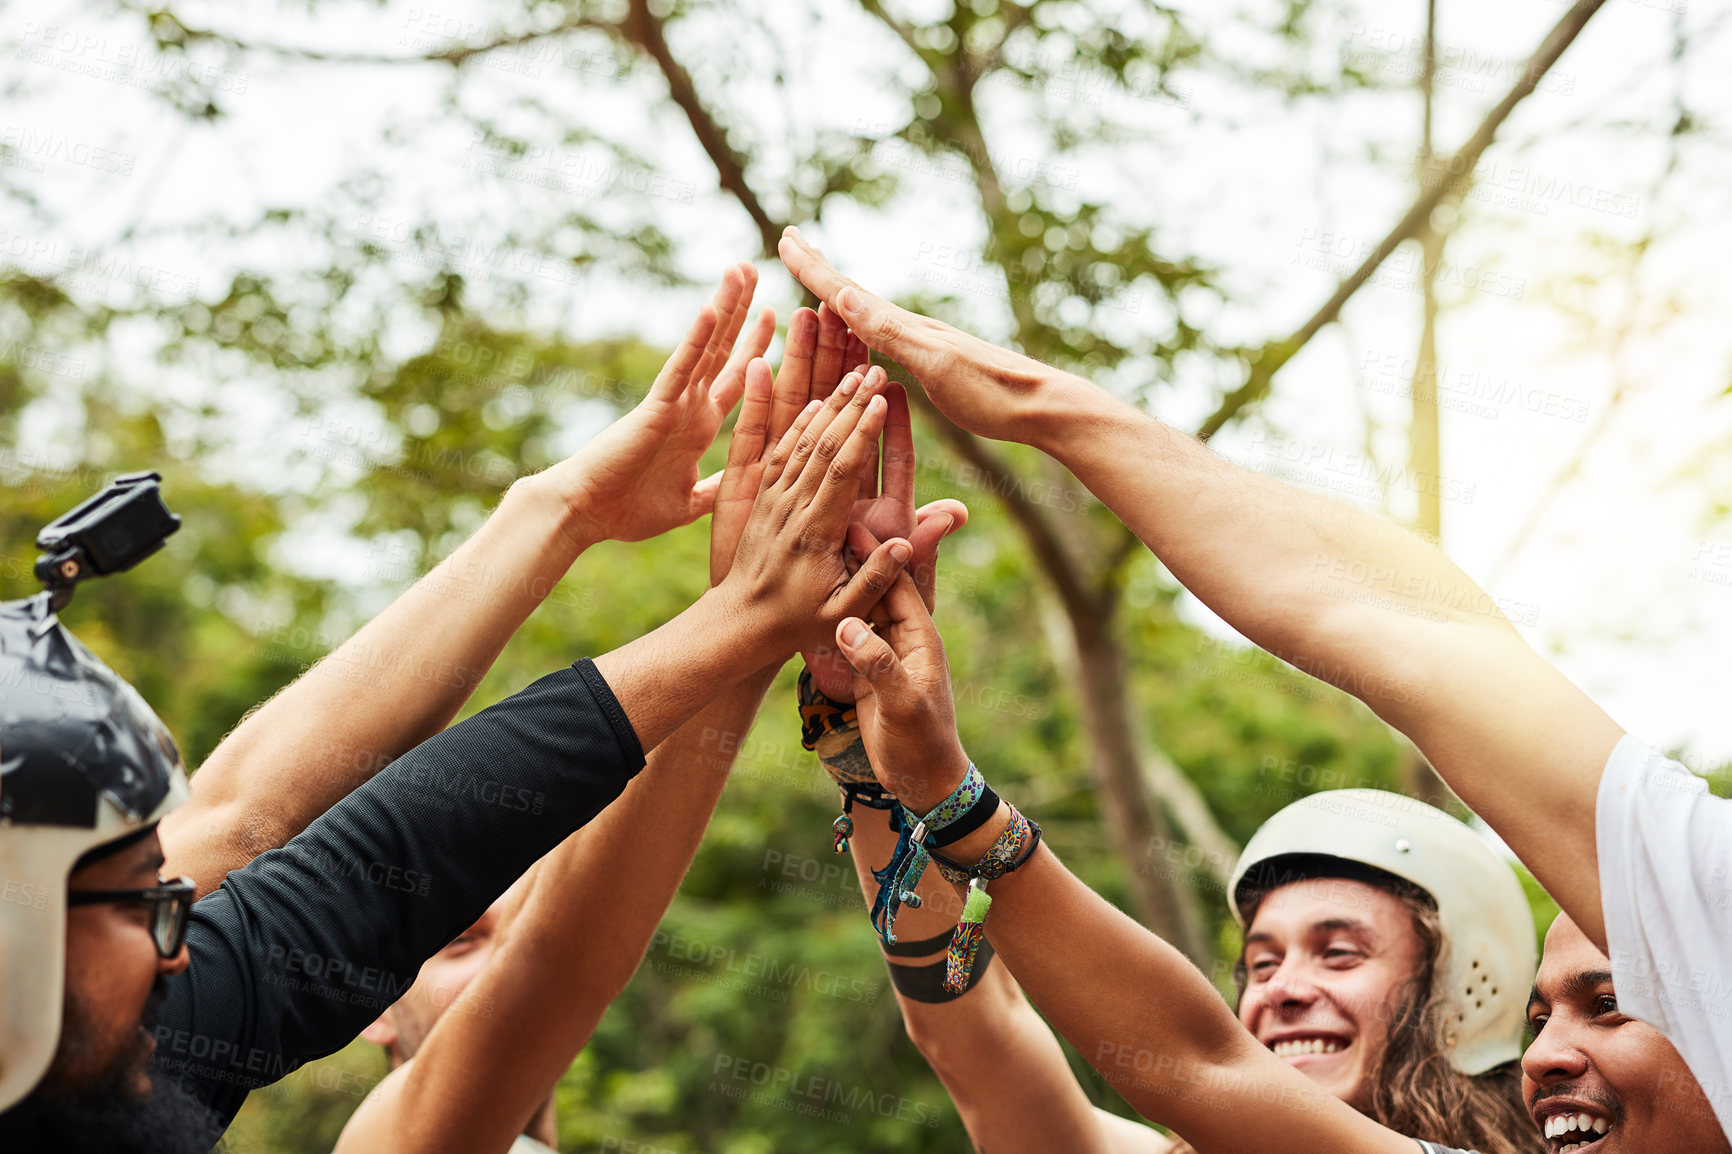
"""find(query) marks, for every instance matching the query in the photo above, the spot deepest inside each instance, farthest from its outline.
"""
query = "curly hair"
(1414, 1089)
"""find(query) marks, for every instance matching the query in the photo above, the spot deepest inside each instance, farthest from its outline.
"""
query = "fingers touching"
(797, 446)
(877, 578)
(872, 655)
(752, 428)
(933, 523)
(898, 447)
(840, 440)
(830, 361)
(858, 354)
(794, 381)
(781, 455)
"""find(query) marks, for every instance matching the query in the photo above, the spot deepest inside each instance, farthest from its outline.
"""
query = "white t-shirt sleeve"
(1665, 846)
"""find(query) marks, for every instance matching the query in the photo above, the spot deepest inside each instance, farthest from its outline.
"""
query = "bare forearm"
(665, 677)
(1154, 1027)
(1305, 577)
(1000, 1062)
(575, 943)
(395, 683)
(621, 871)
(1359, 602)
(1341, 594)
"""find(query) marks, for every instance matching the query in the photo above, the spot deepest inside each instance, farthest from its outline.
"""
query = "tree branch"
(454, 55)
(902, 30)
(1001, 482)
(1269, 359)
(642, 29)
(645, 29)
(1625, 381)
(1191, 813)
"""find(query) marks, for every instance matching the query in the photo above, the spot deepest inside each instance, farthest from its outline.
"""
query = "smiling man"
(1628, 842)
(1388, 951)
(1327, 963)
(1598, 1081)
(1157, 1030)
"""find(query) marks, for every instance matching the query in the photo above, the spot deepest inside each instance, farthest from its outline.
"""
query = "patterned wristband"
(899, 878)
(831, 729)
(1013, 847)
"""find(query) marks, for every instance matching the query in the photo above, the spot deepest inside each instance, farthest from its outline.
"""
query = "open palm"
(639, 477)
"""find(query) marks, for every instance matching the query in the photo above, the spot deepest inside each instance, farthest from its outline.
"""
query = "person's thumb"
(876, 667)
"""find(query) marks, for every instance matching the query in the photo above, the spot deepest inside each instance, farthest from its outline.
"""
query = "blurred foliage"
(185, 627)
(402, 458)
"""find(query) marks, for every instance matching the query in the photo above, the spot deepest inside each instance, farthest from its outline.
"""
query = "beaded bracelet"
(832, 729)
(1008, 853)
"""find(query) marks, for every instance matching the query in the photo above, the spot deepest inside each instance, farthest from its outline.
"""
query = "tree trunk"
(1424, 446)
(1155, 862)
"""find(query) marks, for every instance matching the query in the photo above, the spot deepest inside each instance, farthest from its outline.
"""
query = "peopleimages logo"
(759, 974)
(828, 1098)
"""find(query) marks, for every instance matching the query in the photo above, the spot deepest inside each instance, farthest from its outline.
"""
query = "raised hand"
(983, 388)
(888, 511)
(902, 691)
(885, 507)
(789, 570)
(639, 477)
(816, 344)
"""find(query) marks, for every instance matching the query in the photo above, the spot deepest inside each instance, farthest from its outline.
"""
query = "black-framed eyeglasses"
(170, 903)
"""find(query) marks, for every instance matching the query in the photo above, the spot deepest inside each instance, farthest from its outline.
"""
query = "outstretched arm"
(1000, 1062)
(997, 1058)
(572, 946)
(1133, 1005)
(1343, 595)
(507, 786)
(577, 937)
(406, 673)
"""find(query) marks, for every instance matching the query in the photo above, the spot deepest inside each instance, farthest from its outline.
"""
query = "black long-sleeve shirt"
(295, 954)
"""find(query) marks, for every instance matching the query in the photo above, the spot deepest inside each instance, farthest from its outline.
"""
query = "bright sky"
(1619, 574)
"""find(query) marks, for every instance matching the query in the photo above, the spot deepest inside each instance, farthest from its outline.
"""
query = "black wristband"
(871, 795)
(918, 949)
(978, 815)
(926, 983)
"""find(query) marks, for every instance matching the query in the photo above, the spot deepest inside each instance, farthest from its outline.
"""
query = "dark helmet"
(84, 762)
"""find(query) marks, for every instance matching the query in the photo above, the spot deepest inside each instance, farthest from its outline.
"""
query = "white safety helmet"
(83, 762)
(1487, 959)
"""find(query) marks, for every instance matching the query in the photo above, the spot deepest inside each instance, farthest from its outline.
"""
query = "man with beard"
(100, 1092)
(283, 964)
